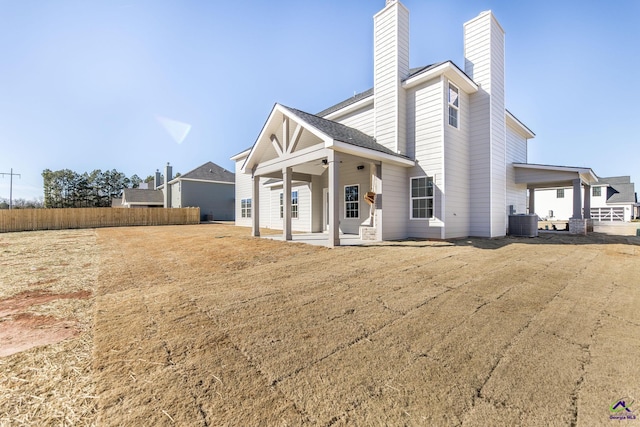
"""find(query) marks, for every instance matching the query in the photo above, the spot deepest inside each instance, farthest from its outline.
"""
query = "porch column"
(587, 202)
(532, 201)
(286, 203)
(577, 199)
(255, 206)
(334, 199)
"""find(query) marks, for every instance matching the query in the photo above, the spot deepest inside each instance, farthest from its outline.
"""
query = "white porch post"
(532, 201)
(255, 206)
(587, 202)
(286, 203)
(577, 199)
(334, 199)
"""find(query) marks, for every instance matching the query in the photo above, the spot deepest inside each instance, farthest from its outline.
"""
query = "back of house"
(428, 152)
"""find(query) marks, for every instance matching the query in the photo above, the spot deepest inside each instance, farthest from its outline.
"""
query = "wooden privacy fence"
(58, 219)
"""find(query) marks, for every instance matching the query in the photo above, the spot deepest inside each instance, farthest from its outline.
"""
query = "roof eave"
(241, 155)
(368, 153)
(449, 70)
(586, 174)
(522, 128)
(365, 102)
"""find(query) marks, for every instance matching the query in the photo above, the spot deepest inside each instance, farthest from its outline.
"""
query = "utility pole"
(11, 174)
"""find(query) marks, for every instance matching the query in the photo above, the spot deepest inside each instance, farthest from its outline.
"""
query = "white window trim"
(297, 205)
(450, 105)
(245, 212)
(345, 201)
(432, 218)
(594, 190)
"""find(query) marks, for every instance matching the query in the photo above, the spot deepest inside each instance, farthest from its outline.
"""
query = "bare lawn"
(203, 325)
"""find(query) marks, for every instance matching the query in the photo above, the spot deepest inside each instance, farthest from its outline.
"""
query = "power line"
(11, 174)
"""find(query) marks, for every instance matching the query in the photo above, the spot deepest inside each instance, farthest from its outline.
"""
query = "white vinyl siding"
(516, 153)
(549, 206)
(242, 191)
(457, 174)
(394, 196)
(361, 119)
(484, 63)
(351, 175)
(425, 136)
(391, 65)
(271, 203)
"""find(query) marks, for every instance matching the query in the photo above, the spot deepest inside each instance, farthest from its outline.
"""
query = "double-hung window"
(351, 201)
(245, 208)
(597, 191)
(294, 204)
(560, 193)
(422, 197)
(454, 105)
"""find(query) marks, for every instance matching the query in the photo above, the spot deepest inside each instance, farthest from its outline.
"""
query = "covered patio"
(537, 176)
(340, 167)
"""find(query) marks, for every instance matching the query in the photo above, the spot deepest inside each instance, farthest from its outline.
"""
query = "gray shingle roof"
(210, 172)
(369, 92)
(137, 195)
(616, 180)
(343, 133)
(621, 193)
(355, 98)
(620, 190)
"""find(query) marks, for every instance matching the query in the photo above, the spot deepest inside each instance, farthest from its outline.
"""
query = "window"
(597, 191)
(351, 203)
(454, 105)
(245, 208)
(560, 193)
(294, 204)
(422, 197)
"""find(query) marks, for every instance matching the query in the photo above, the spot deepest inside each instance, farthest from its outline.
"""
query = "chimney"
(157, 180)
(390, 67)
(167, 187)
(484, 63)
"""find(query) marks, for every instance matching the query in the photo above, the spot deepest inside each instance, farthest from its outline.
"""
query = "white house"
(612, 199)
(433, 148)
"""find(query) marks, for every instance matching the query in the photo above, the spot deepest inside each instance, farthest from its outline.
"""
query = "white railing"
(607, 214)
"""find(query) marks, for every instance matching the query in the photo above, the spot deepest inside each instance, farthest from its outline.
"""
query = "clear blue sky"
(87, 85)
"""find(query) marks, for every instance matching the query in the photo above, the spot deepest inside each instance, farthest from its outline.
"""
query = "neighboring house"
(141, 198)
(209, 187)
(611, 199)
(428, 152)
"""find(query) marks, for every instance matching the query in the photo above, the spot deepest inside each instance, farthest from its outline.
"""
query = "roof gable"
(274, 142)
(209, 172)
(339, 132)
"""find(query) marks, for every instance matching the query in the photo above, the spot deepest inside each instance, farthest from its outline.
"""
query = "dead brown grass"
(202, 325)
(47, 280)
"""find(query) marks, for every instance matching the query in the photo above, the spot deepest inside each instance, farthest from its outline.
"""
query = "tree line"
(68, 189)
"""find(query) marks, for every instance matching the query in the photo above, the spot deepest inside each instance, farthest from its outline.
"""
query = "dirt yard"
(203, 325)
